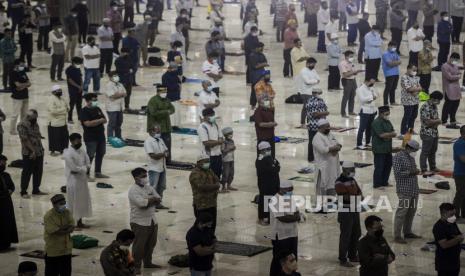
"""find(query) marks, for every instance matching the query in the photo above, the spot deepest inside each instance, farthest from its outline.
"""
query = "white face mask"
(115, 78)
(413, 154)
(455, 62)
(446, 18)
(351, 59)
(266, 104)
(157, 135)
(393, 49)
(124, 247)
(59, 30)
(352, 174)
(386, 117)
(115, 8)
(414, 74)
(451, 219)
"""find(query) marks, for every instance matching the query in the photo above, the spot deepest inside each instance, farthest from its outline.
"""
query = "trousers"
(383, 165)
(106, 59)
(405, 214)
(372, 68)
(144, 243)
(34, 168)
(365, 127)
(58, 266)
(408, 120)
(449, 109)
(334, 77)
(158, 181)
(350, 86)
(349, 224)
(287, 69)
(115, 121)
(20, 108)
(56, 69)
(459, 199)
(96, 149)
(389, 95)
(429, 147)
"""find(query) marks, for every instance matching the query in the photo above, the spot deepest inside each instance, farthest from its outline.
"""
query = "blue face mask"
(289, 193)
(210, 88)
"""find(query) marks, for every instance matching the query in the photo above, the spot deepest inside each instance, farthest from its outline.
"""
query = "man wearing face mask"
(91, 55)
(74, 79)
(131, 43)
(205, 186)
(374, 252)
(406, 176)
(57, 129)
(257, 64)
(43, 22)
(363, 28)
(58, 39)
(213, 71)
(299, 56)
(82, 16)
(123, 68)
(142, 200)
(250, 45)
(115, 93)
(348, 190)
(429, 13)
(367, 97)
(157, 152)
(116, 24)
(263, 88)
(211, 138)
(410, 84)
(58, 226)
(9, 233)
(7, 55)
(71, 30)
(373, 52)
(77, 164)
(425, 61)
(128, 13)
(115, 259)
(153, 26)
(451, 76)
(415, 38)
(391, 61)
(201, 242)
(159, 110)
(334, 58)
(207, 99)
(185, 23)
(429, 135)
(444, 32)
(459, 175)
(397, 21)
(215, 46)
(322, 20)
(382, 7)
(19, 83)
(349, 73)
(105, 35)
(290, 34)
(448, 238)
(93, 122)
(172, 81)
(32, 152)
(25, 41)
(265, 123)
(456, 8)
(141, 32)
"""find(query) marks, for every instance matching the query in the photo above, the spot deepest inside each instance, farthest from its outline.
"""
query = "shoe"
(231, 188)
(39, 193)
(152, 266)
(90, 179)
(61, 79)
(352, 114)
(400, 240)
(161, 207)
(70, 122)
(54, 153)
(361, 147)
(101, 175)
(344, 116)
(412, 236)
(25, 196)
(346, 264)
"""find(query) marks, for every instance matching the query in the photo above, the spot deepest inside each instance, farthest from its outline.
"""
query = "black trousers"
(449, 272)
(413, 58)
(106, 59)
(349, 224)
(372, 68)
(26, 52)
(128, 16)
(457, 22)
(7, 69)
(443, 54)
(212, 211)
(34, 168)
(42, 40)
(287, 69)
(1, 143)
(278, 246)
(334, 78)
(127, 99)
(425, 82)
(361, 49)
(311, 135)
(459, 199)
(389, 95)
(116, 40)
(75, 100)
(166, 137)
(312, 29)
(56, 69)
(449, 109)
(429, 32)
(216, 165)
(58, 266)
(396, 35)
(83, 28)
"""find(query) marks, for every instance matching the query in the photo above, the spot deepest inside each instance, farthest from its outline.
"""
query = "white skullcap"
(348, 164)
(414, 144)
(106, 19)
(322, 122)
(56, 87)
(284, 184)
(334, 36)
(263, 145)
(202, 156)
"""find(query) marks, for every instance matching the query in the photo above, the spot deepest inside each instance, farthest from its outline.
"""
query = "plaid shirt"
(408, 82)
(428, 111)
(314, 104)
(30, 132)
(404, 172)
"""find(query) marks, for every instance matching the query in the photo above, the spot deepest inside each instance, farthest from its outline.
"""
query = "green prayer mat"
(301, 179)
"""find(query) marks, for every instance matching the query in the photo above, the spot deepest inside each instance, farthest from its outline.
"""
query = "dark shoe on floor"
(412, 236)
(101, 175)
(400, 240)
(161, 207)
(346, 264)
(39, 193)
(152, 266)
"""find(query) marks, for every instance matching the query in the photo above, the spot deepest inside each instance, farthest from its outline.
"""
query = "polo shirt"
(114, 105)
(263, 115)
(156, 146)
(195, 237)
(208, 132)
(91, 51)
(415, 45)
(95, 133)
(380, 145)
(388, 57)
(346, 66)
(21, 77)
(73, 73)
(212, 68)
(459, 149)
(446, 258)
(105, 32)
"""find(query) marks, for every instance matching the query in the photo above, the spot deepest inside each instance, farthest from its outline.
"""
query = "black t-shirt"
(195, 237)
(449, 258)
(21, 77)
(74, 74)
(96, 133)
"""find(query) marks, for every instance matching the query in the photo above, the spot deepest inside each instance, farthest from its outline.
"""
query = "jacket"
(57, 111)
(158, 111)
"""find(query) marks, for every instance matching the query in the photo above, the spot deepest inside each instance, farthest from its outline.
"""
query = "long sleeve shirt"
(158, 111)
(57, 111)
(334, 53)
(141, 213)
(306, 81)
(373, 43)
(368, 246)
(456, 8)
(7, 50)
(322, 19)
(366, 95)
(57, 244)
(444, 31)
(451, 81)
(405, 170)
(58, 42)
(397, 19)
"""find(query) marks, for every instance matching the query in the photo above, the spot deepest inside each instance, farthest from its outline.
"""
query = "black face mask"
(267, 79)
(311, 67)
(326, 131)
(371, 85)
(33, 121)
(77, 146)
(379, 233)
(92, 43)
(2, 167)
(58, 94)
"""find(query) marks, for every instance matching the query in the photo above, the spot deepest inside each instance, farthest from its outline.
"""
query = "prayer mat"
(134, 143)
(342, 129)
(240, 249)
(365, 149)
(188, 102)
(200, 30)
(185, 131)
(234, 73)
(360, 165)
(38, 254)
(447, 140)
(5, 91)
(427, 191)
(135, 111)
(193, 80)
(301, 179)
(447, 174)
(182, 166)
(102, 185)
(289, 140)
(237, 54)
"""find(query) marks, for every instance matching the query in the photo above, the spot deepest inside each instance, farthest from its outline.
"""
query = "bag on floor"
(116, 142)
(16, 163)
(443, 185)
(156, 61)
(294, 99)
(179, 260)
(153, 50)
(83, 242)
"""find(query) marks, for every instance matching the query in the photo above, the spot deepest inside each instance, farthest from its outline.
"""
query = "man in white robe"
(327, 167)
(77, 164)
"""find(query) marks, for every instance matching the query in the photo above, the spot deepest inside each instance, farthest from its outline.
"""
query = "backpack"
(294, 99)
(156, 61)
(84, 242)
(116, 142)
(179, 260)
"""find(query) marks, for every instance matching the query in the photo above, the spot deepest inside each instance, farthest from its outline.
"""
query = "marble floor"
(318, 236)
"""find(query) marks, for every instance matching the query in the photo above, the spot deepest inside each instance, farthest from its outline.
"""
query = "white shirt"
(281, 230)
(156, 146)
(307, 80)
(208, 132)
(105, 32)
(366, 95)
(213, 68)
(111, 89)
(91, 51)
(206, 98)
(322, 19)
(332, 27)
(415, 45)
(138, 200)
